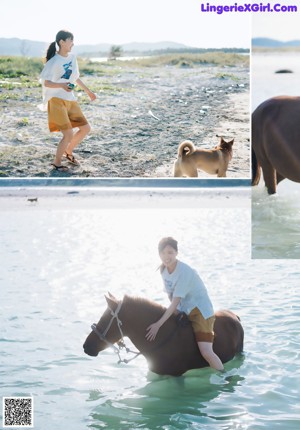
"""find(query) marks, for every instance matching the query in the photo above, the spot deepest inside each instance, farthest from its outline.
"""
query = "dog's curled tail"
(185, 147)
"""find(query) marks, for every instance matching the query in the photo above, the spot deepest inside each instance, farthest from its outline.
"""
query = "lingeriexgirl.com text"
(248, 7)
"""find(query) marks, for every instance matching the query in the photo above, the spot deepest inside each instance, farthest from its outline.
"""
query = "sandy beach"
(139, 118)
(71, 197)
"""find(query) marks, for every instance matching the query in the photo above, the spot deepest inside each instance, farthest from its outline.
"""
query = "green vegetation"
(24, 122)
(110, 68)
(115, 52)
(28, 69)
(193, 60)
(9, 96)
(15, 67)
(19, 73)
(227, 76)
(88, 67)
(275, 50)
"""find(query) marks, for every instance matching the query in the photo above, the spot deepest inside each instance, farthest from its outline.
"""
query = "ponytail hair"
(51, 51)
(61, 35)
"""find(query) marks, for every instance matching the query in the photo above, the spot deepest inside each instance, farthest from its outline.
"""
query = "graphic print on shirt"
(168, 286)
(68, 70)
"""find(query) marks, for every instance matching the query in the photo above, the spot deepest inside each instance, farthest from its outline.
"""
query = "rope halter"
(121, 344)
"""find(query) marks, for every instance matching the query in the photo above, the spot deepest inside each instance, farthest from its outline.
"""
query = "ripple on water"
(275, 224)
(43, 354)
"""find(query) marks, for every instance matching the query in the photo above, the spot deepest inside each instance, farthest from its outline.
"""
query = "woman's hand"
(90, 93)
(65, 86)
(153, 328)
(152, 331)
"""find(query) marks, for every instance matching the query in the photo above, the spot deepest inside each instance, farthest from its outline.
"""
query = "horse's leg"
(269, 176)
(255, 169)
(279, 177)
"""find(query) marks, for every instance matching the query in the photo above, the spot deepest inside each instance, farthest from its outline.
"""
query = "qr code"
(17, 412)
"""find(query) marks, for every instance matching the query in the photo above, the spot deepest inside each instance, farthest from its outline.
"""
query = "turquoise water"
(57, 264)
(275, 219)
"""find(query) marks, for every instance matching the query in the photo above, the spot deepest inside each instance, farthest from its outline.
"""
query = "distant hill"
(264, 42)
(18, 47)
(30, 48)
(134, 48)
(142, 47)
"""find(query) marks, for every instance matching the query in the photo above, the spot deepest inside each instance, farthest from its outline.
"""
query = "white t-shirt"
(59, 69)
(185, 283)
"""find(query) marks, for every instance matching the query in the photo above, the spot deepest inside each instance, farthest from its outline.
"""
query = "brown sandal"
(72, 159)
(60, 168)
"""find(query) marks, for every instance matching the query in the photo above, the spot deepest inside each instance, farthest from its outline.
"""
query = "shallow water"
(55, 273)
(276, 223)
(275, 219)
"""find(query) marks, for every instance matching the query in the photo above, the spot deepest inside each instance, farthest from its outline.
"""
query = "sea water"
(59, 258)
(275, 219)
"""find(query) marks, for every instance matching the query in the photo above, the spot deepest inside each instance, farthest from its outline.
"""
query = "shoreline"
(69, 198)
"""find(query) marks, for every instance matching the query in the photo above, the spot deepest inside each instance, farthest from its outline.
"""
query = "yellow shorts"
(64, 114)
(203, 328)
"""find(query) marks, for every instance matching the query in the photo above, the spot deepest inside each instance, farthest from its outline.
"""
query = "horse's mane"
(142, 301)
(145, 303)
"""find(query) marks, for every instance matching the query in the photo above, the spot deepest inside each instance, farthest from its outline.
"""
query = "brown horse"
(174, 350)
(276, 141)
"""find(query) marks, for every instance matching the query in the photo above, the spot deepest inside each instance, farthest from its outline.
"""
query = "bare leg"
(209, 355)
(62, 146)
(77, 138)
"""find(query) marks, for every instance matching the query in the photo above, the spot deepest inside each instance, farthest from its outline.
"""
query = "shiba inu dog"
(213, 161)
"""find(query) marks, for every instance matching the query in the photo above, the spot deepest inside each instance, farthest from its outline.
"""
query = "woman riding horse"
(174, 350)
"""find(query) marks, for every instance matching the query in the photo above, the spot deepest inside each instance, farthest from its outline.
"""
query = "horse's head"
(107, 331)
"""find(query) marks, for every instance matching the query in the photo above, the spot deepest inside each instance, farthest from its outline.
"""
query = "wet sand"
(138, 120)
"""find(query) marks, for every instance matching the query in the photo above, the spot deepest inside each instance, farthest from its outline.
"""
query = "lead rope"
(121, 344)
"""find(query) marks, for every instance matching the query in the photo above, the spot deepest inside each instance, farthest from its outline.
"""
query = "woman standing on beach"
(188, 294)
(58, 79)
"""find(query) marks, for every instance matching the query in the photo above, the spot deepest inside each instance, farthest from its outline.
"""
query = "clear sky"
(280, 26)
(124, 21)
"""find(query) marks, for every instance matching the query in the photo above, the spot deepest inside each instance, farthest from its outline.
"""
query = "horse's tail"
(240, 343)
(255, 169)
